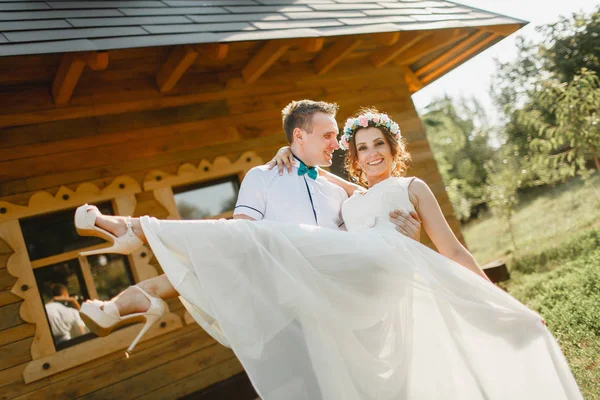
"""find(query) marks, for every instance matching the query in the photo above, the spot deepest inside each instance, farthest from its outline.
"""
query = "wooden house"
(160, 107)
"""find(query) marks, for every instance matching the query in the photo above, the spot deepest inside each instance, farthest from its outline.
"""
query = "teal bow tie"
(310, 171)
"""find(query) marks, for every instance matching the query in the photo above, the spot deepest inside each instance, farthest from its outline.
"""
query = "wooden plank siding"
(118, 123)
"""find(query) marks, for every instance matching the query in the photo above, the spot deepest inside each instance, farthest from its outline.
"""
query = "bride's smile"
(374, 154)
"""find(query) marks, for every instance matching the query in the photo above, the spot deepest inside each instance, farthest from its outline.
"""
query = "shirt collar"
(297, 158)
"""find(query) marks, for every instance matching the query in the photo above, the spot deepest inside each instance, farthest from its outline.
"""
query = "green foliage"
(503, 181)
(544, 218)
(549, 98)
(567, 298)
(459, 135)
(563, 145)
(574, 45)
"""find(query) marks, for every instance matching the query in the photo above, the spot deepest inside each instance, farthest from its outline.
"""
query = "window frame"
(162, 184)
(46, 360)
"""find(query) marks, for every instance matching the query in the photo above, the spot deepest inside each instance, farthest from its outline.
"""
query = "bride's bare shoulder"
(417, 190)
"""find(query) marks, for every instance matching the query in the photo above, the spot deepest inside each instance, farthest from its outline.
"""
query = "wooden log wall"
(118, 123)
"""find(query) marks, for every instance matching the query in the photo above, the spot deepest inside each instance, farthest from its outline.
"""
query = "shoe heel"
(111, 249)
(150, 320)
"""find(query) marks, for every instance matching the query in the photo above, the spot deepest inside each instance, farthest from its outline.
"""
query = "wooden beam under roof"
(430, 76)
(181, 58)
(430, 44)
(214, 51)
(411, 79)
(70, 69)
(386, 38)
(504, 30)
(311, 45)
(262, 60)
(447, 56)
(336, 53)
(405, 41)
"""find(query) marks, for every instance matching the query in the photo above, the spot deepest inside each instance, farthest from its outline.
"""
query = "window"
(65, 279)
(213, 199)
(52, 279)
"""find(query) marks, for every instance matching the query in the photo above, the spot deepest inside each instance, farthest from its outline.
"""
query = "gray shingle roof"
(35, 27)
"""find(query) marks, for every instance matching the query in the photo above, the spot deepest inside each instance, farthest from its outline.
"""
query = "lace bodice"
(370, 209)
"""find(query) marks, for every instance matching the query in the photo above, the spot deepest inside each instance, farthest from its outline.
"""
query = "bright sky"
(473, 77)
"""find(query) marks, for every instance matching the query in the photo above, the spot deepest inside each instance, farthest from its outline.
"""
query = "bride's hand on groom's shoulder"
(408, 224)
(284, 159)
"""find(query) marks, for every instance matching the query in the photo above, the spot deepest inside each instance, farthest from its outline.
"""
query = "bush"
(568, 297)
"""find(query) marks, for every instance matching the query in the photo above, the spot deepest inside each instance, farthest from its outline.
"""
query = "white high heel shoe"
(85, 223)
(103, 317)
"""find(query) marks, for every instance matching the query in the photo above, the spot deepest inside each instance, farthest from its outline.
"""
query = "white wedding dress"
(367, 314)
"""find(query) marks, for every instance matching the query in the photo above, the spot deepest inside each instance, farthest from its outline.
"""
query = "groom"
(304, 197)
(301, 197)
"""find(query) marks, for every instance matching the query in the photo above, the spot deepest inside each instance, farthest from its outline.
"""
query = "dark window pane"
(207, 199)
(50, 234)
(57, 284)
(111, 273)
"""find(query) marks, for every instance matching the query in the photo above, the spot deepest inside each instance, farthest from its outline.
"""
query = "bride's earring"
(393, 166)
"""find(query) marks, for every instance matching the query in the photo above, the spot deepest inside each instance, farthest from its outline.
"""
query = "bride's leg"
(132, 300)
(117, 226)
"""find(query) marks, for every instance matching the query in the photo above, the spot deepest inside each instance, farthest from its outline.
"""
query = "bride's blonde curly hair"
(398, 146)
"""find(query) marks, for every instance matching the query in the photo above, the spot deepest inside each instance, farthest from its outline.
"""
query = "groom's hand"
(408, 224)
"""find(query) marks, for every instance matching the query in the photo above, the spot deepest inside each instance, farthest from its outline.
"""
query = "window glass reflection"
(62, 290)
(50, 234)
(208, 199)
(111, 273)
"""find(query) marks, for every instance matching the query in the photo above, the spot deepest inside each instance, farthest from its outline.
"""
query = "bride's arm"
(349, 187)
(437, 227)
(406, 223)
(284, 159)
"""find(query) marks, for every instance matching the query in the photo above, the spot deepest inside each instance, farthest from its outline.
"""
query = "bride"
(381, 316)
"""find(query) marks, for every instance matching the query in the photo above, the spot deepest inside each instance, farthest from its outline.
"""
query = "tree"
(503, 181)
(458, 133)
(564, 143)
(573, 43)
(540, 128)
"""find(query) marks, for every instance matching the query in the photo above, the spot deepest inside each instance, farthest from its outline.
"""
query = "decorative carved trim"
(32, 309)
(188, 319)
(162, 183)
(44, 202)
(99, 347)
(46, 360)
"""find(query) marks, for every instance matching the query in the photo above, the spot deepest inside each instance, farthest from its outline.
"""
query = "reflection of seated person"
(65, 322)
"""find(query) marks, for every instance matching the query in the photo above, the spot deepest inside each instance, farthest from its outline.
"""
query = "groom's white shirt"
(264, 194)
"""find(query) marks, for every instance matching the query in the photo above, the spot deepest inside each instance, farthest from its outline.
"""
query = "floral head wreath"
(362, 121)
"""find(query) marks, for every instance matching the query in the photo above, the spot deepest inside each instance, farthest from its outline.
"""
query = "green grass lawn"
(544, 218)
(563, 285)
(556, 268)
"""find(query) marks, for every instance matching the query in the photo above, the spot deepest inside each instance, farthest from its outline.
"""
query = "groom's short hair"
(298, 114)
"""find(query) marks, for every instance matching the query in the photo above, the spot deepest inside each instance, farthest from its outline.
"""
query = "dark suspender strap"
(311, 200)
(252, 208)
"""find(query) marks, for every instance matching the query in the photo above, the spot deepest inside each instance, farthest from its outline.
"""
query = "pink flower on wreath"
(363, 121)
(344, 142)
(376, 118)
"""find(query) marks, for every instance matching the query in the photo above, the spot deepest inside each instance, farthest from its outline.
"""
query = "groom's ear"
(298, 135)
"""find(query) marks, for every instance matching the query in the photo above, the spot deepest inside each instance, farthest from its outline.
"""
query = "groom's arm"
(252, 201)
